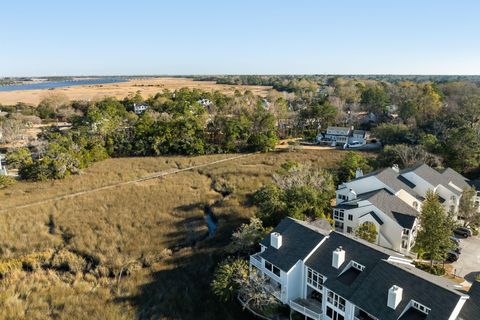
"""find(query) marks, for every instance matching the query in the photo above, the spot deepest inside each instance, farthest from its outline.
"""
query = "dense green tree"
(375, 99)
(19, 157)
(315, 117)
(228, 277)
(394, 134)
(461, 149)
(247, 237)
(348, 166)
(303, 192)
(434, 235)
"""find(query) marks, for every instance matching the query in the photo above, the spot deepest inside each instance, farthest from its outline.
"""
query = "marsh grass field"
(146, 86)
(134, 251)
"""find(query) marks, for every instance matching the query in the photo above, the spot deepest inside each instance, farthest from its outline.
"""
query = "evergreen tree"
(434, 235)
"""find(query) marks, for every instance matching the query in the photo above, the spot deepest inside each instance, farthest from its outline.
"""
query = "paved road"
(155, 175)
(468, 265)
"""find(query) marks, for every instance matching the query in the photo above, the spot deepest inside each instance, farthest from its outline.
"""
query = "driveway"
(468, 265)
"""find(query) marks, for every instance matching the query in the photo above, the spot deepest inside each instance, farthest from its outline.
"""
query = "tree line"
(175, 124)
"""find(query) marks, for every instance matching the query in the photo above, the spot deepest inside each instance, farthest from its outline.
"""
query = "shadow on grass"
(182, 289)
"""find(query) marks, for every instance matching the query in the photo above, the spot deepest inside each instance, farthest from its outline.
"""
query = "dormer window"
(357, 266)
(420, 307)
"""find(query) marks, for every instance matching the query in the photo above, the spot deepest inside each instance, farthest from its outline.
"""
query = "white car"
(354, 144)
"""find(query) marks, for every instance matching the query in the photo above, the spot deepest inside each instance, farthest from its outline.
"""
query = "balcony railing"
(256, 260)
(307, 307)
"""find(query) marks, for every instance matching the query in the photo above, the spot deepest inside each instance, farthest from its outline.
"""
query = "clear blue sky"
(86, 37)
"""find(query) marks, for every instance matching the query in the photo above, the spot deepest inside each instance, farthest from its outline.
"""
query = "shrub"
(6, 181)
(65, 260)
(225, 282)
(437, 270)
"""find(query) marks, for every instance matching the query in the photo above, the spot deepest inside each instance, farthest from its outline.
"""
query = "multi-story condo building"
(392, 200)
(326, 275)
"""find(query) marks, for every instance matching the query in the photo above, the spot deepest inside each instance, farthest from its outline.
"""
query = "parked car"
(354, 144)
(452, 256)
(456, 245)
(463, 231)
(455, 240)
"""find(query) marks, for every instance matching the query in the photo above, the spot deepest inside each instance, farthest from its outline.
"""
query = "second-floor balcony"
(309, 307)
(256, 260)
(362, 315)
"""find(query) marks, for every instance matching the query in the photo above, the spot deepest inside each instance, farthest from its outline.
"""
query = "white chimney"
(276, 240)
(394, 296)
(338, 257)
(358, 173)
(395, 167)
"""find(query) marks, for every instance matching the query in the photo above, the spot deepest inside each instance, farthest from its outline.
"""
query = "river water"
(59, 84)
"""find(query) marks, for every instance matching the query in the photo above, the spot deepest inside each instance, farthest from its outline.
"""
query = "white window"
(338, 215)
(335, 300)
(270, 267)
(314, 279)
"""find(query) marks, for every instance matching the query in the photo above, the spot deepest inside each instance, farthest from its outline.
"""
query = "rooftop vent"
(394, 297)
(276, 240)
(395, 167)
(338, 257)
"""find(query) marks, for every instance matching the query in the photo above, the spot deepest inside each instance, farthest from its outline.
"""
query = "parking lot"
(468, 264)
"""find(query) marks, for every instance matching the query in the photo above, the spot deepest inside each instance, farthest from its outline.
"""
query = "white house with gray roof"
(343, 135)
(392, 200)
(325, 275)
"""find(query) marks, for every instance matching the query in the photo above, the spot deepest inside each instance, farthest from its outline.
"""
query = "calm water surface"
(58, 84)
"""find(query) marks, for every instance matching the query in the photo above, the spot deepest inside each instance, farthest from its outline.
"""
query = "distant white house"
(343, 135)
(140, 108)
(391, 199)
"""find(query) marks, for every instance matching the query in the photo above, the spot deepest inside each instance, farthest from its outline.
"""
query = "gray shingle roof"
(359, 251)
(369, 288)
(389, 204)
(456, 178)
(374, 216)
(433, 292)
(392, 179)
(436, 178)
(298, 240)
(471, 309)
